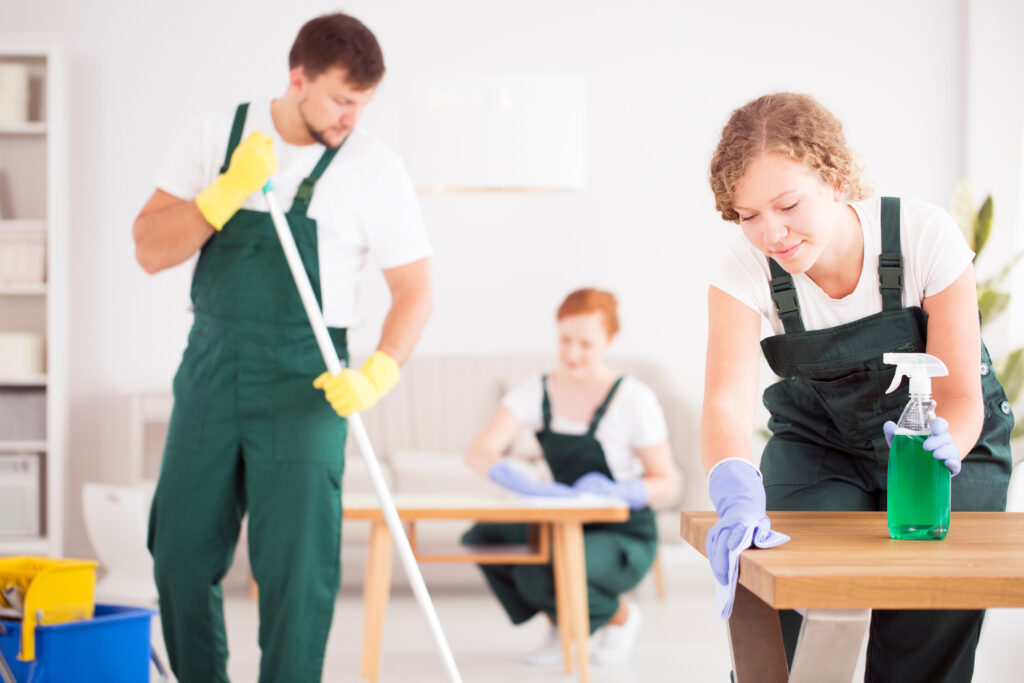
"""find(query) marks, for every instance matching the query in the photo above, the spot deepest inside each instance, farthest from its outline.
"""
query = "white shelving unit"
(33, 199)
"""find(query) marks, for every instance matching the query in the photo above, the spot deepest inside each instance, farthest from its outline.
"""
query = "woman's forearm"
(660, 487)
(965, 416)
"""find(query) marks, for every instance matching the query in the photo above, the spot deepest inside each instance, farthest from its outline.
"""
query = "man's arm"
(168, 231)
(411, 305)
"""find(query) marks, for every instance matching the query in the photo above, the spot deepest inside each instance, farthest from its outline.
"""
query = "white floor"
(682, 640)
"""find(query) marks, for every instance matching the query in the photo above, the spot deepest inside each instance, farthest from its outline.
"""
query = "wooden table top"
(846, 560)
(411, 507)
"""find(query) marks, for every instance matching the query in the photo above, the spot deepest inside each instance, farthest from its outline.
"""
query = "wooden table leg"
(376, 590)
(755, 638)
(659, 576)
(559, 568)
(576, 577)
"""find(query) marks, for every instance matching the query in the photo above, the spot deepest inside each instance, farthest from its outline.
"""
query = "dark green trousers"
(249, 432)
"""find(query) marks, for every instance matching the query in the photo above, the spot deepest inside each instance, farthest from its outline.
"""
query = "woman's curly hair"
(793, 125)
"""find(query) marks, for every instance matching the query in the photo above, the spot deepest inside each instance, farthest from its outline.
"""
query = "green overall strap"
(890, 261)
(236, 134)
(304, 195)
(599, 413)
(546, 403)
(784, 296)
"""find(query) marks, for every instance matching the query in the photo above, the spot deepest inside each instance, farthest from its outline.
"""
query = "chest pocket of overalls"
(856, 400)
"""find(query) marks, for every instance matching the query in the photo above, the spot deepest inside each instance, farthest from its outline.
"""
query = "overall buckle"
(784, 295)
(890, 271)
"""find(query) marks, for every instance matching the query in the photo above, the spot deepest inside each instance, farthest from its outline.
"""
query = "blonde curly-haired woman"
(842, 277)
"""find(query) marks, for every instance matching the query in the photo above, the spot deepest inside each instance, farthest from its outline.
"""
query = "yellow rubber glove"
(351, 391)
(252, 164)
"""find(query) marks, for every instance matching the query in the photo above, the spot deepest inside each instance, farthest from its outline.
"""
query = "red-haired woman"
(600, 432)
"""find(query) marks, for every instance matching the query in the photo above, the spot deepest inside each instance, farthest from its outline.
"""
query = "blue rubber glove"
(737, 492)
(940, 443)
(633, 491)
(504, 474)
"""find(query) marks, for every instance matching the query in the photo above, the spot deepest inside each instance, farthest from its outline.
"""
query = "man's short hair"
(338, 40)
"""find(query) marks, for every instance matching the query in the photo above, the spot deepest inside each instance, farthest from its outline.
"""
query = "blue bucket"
(112, 647)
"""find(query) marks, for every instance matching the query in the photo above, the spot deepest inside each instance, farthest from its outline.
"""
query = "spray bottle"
(918, 488)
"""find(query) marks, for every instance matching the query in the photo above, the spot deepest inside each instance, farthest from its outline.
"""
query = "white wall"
(661, 79)
(995, 146)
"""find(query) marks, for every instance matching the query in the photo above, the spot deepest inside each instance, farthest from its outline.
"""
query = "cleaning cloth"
(759, 535)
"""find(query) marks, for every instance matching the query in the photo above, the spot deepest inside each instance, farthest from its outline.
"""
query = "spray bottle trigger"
(896, 380)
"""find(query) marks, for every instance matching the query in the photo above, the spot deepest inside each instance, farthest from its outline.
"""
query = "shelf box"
(22, 257)
(22, 88)
(20, 513)
(22, 414)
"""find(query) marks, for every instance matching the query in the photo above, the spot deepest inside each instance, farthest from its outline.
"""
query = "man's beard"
(317, 135)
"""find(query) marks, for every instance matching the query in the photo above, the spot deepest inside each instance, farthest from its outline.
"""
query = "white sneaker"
(549, 651)
(617, 641)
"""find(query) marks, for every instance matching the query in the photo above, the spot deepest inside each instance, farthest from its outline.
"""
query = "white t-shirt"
(634, 419)
(363, 203)
(934, 250)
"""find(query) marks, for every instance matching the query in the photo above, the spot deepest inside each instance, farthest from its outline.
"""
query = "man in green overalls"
(250, 432)
(842, 277)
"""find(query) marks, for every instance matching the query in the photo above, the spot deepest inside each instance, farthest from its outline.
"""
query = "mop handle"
(387, 506)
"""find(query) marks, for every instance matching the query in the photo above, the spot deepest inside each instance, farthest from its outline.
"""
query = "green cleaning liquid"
(918, 491)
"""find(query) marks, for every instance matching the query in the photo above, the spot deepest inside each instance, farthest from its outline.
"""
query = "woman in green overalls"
(841, 277)
(602, 433)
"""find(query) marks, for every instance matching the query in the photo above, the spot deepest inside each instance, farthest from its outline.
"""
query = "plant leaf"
(1010, 371)
(983, 225)
(993, 281)
(961, 207)
(1018, 431)
(991, 303)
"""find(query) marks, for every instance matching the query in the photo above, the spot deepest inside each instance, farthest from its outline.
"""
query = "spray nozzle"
(919, 367)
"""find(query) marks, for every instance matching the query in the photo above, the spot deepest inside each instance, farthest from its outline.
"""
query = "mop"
(356, 428)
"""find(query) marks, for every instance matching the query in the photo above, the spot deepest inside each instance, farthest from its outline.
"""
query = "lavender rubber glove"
(889, 429)
(633, 491)
(737, 491)
(940, 443)
(504, 474)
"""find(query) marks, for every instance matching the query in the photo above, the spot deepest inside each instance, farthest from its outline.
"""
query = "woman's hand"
(738, 495)
(940, 443)
(942, 447)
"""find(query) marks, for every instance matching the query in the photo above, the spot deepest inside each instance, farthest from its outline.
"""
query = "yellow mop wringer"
(45, 591)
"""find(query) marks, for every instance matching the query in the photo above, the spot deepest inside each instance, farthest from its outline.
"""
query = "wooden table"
(840, 565)
(558, 539)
